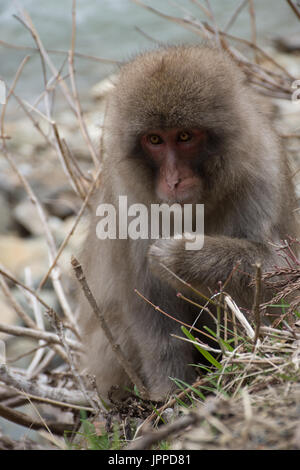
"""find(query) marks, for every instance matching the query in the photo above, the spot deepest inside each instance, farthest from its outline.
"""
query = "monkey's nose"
(173, 183)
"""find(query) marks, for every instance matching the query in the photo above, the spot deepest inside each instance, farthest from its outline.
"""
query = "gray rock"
(5, 214)
(16, 254)
(25, 213)
(290, 43)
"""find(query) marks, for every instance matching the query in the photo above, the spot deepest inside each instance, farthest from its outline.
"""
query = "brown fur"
(248, 197)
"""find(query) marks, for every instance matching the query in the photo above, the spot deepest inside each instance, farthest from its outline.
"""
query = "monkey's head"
(177, 116)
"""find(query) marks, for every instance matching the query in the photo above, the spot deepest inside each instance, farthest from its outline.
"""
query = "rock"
(69, 131)
(287, 120)
(168, 415)
(17, 253)
(5, 214)
(7, 315)
(102, 88)
(290, 43)
(24, 134)
(48, 295)
(7, 188)
(25, 213)
(60, 201)
(64, 228)
(290, 62)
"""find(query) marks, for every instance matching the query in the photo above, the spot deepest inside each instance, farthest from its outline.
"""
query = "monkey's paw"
(167, 260)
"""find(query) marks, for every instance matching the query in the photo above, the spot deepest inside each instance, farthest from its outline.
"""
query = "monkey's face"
(175, 155)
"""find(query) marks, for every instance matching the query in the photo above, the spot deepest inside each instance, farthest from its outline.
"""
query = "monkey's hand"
(168, 260)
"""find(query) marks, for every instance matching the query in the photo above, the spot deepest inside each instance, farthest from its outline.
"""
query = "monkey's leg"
(168, 358)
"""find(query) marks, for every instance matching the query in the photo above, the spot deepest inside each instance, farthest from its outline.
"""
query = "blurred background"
(112, 29)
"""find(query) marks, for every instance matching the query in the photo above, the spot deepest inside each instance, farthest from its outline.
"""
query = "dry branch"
(115, 347)
(191, 419)
(281, 88)
(257, 301)
(167, 431)
(61, 334)
(76, 222)
(78, 109)
(41, 391)
(23, 420)
(294, 8)
(38, 335)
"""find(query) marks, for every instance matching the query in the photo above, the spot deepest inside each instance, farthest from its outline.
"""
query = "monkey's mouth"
(186, 192)
(178, 199)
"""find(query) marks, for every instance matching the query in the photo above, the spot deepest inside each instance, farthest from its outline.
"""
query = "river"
(108, 29)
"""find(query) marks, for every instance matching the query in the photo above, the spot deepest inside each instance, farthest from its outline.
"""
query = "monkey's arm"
(213, 263)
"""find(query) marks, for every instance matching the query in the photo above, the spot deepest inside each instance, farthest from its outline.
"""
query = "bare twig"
(27, 22)
(115, 347)
(239, 8)
(234, 308)
(44, 363)
(23, 286)
(257, 301)
(50, 338)
(158, 309)
(24, 420)
(294, 8)
(57, 348)
(16, 306)
(204, 413)
(65, 53)
(214, 23)
(78, 109)
(39, 320)
(253, 26)
(151, 438)
(204, 29)
(49, 237)
(67, 238)
(35, 123)
(189, 286)
(65, 156)
(4, 106)
(62, 396)
(61, 334)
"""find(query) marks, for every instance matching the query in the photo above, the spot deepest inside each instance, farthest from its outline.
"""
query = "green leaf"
(204, 353)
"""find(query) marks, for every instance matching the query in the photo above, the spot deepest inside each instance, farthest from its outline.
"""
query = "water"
(107, 28)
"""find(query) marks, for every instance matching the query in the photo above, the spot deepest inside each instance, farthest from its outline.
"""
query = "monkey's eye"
(155, 139)
(184, 136)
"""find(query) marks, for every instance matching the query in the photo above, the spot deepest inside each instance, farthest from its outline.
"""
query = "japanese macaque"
(182, 127)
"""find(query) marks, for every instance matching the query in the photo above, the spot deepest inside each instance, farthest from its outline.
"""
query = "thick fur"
(245, 187)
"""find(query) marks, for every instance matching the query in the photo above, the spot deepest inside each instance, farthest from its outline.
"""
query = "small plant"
(93, 436)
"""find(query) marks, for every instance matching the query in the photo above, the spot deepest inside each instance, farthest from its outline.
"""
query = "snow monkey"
(182, 127)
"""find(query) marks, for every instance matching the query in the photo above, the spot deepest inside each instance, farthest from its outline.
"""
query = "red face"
(175, 153)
